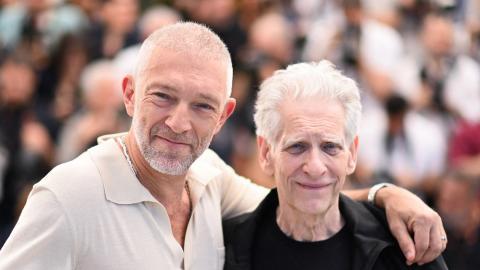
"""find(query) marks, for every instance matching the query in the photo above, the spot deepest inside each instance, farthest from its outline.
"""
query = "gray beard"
(165, 163)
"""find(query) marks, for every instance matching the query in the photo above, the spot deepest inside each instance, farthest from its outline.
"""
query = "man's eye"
(163, 96)
(331, 148)
(296, 149)
(205, 106)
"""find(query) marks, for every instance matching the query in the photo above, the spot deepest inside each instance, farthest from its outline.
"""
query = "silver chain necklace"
(130, 164)
(127, 156)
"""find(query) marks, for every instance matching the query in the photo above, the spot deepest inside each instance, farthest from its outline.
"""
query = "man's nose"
(179, 119)
(314, 164)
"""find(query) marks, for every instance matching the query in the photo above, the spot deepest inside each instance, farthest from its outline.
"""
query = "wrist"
(375, 193)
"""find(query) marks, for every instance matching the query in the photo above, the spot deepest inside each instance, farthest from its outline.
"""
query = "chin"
(314, 207)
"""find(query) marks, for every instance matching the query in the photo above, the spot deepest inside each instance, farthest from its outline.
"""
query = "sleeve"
(42, 237)
(392, 258)
(238, 194)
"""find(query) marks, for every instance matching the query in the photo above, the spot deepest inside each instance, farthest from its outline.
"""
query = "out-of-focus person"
(114, 29)
(26, 147)
(458, 203)
(152, 19)
(404, 147)
(101, 111)
(155, 196)
(441, 82)
(464, 148)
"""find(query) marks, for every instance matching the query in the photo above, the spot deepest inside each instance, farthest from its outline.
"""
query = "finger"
(443, 233)
(436, 246)
(421, 232)
(405, 241)
(445, 242)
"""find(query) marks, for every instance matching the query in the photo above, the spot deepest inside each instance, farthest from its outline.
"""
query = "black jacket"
(374, 246)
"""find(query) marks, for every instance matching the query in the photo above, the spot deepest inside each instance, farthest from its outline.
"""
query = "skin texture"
(176, 122)
(310, 162)
(193, 105)
(304, 155)
(178, 102)
(425, 226)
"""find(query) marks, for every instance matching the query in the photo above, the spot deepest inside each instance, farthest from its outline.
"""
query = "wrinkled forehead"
(210, 66)
(183, 70)
(312, 116)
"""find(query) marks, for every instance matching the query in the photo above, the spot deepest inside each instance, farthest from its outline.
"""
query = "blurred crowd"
(416, 61)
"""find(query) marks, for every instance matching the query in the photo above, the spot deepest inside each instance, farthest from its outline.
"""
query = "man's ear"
(128, 88)
(352, 158)
(227, 112)
(265, 156)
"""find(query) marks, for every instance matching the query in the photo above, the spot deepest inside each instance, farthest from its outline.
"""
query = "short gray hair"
(155, 17)
(187, 37)
(97, 71)
(306, 80)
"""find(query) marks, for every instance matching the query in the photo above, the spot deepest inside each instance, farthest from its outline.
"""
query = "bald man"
(155, 197)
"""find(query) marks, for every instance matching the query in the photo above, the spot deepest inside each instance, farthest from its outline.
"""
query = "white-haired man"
(138, 200)
(307, 118)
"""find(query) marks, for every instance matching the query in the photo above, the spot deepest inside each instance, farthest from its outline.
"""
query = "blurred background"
(417, 63)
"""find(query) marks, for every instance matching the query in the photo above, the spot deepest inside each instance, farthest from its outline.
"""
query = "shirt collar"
(120, 183)
(202, 170)
(122, 186)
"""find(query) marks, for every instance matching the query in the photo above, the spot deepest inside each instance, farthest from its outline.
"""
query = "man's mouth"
(176, 142)
(314, 186)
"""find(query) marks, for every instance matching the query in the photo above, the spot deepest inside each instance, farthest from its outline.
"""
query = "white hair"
(301, 81)
(187, 37)
(96, 72)
(155, 17)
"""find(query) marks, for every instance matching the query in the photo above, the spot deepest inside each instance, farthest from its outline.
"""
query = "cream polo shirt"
(92, 213)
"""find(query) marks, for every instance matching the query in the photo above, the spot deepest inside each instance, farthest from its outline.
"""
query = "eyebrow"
(163, 86)
(324, 137)
(204, 96)
(210, 99)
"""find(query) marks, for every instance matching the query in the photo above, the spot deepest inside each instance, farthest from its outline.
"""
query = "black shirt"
(274, 250)
(254, 241)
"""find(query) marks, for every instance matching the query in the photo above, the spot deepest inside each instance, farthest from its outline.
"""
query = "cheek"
(339, 168)
(287, 168)
(205, 125)
(210, 119)
(143, 118)
(336, 164)
(144, 122)
(152, 115)
(202, 129)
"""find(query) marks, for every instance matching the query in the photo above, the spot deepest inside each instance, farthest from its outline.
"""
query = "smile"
(313, 186)
(172, 142)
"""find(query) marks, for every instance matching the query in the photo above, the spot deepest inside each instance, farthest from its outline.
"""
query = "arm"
(42, 238)
(238, 194)
(407, 214)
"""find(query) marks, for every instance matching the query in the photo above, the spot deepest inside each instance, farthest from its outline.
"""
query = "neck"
(169, 190)
(308, 227)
